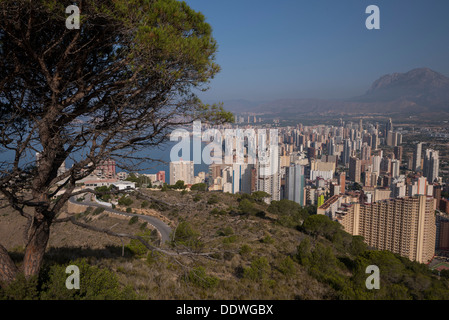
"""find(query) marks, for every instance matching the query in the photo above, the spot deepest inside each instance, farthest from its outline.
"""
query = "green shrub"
(245, 249)
(258, 271)
(230, 239)
(247, 207)
(133, 220)
(144, 204)
(287, 266)
(267, 239)
(199, 187)
(138, 248)
(199, 278)
(225, 232)
(129, 210)
(95, 284)
(213, 199)
(21, 289)
(186, 235)
(125, 201)
(97, 211)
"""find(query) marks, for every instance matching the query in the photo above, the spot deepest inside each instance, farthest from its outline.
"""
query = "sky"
(288, 49)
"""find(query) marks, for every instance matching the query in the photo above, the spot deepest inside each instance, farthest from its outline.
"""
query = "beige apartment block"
(403, 225)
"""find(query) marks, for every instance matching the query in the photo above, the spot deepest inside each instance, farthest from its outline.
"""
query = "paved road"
(161, 226)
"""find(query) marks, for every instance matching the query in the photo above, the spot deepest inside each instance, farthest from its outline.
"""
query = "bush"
(247, 207)
(95, 284)
(267, 239)
(197, 198)
(199, 278)
(213, 199)
(144, 204)
(185, 235)
(258, 271)
(321, 225)
(230, 239)
(225, 232)
(287, 266)
(98, 211)
(21, 289)
(125, 201)
(245, 249)
(138, 248)
(133, 220)
(199, 187)
(129, 210)
(290, 213)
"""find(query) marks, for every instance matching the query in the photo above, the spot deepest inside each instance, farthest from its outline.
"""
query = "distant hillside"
(418, 92)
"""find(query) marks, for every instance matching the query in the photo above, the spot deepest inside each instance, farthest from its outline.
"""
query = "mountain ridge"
(419, 91)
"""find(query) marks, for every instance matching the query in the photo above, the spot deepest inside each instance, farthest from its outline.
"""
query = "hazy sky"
(320, 48)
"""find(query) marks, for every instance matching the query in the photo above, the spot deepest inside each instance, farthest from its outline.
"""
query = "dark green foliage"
(21, 289)
(144, 204)
(245, 249)
(247, 207)
(267, 239)
(230, 239)
(290, 213)
(179, 185)
(95, 284)
(186, 235)
(259, 196)
(199, 278)
(138, 248)
(129, 210)
(97, 211)
(287, 266)
(197, 198)
(125, 201)
(199, 187)
(258, 270)
(321, 225)
(133, 220)
(213, 199)
(103, 190)
(216, 211)
(225, 232)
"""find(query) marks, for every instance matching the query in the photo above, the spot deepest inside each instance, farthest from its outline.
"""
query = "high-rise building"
(160, 176)
(398, 153)
(374, 141)
(295, 183)
(388, 126)
(355, 169)
(241, 178)
(395, 168)
(347, 150)
(366, 152)
(106, 169)
(417, 157)
(182, 170)
(269, 181)
(405, 226)
(342, 182)
(431, 165)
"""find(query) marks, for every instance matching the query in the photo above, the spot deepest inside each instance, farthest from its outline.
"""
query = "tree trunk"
(8, 269)
(35, 249)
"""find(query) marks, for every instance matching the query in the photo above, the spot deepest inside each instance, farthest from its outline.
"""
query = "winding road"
(162, 227)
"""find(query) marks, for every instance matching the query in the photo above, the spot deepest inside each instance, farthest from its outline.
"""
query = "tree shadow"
(63, 255)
